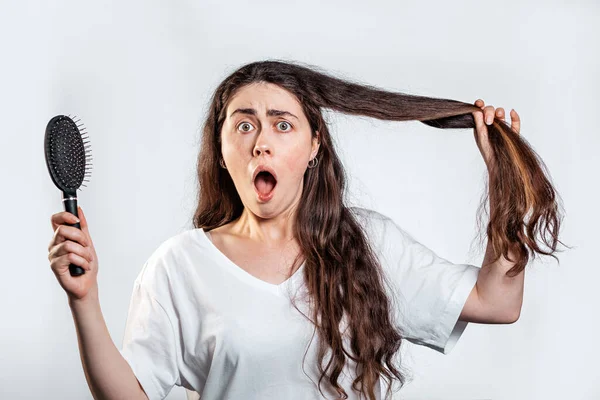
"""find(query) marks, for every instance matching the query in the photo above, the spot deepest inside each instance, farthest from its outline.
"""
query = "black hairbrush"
(68, 157)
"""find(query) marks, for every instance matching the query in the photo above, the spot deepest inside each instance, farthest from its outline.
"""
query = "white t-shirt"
(199, 321)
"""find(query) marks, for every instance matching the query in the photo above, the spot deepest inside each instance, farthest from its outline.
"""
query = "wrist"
(90, 299)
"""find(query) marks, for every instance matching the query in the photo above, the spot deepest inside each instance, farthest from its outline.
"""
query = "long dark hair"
(342, 274)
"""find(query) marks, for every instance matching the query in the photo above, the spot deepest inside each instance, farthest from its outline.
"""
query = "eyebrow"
(270, 113)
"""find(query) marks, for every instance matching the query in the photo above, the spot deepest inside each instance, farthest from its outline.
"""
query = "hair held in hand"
(342, 273)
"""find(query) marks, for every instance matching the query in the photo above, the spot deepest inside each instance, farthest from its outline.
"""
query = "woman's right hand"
(73, 245)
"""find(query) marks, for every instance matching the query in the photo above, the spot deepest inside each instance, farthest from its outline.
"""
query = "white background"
(140, 74)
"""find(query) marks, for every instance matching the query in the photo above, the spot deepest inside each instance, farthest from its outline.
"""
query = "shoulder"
(164, 263)
(382, 230)
(364, 212)
(374, 222)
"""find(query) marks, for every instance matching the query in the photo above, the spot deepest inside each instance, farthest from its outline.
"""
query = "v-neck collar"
(242, 274)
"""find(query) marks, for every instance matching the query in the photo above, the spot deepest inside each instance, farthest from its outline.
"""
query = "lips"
(264, 182)
(261, 168)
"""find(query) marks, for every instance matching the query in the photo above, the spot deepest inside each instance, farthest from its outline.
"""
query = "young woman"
(281, 291)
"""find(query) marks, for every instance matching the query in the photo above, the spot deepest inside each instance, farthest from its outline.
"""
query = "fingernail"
(489, 120)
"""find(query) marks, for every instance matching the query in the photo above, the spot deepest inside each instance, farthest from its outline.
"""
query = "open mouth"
(264, 184)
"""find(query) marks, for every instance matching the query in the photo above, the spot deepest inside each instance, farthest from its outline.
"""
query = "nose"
(262, 146)
(263, 149)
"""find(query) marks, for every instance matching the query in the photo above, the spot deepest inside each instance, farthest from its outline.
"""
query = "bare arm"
(108, 374)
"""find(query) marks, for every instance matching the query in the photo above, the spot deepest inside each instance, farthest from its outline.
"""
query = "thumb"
(479, 122)
(83, 221)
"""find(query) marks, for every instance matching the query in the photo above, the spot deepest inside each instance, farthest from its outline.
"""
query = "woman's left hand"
(486, 118)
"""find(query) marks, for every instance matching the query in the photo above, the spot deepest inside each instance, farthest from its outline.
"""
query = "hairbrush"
(68, 158)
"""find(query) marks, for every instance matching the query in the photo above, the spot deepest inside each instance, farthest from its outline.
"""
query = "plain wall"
(140, 75)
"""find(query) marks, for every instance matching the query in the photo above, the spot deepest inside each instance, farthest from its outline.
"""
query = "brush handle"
(70, 203)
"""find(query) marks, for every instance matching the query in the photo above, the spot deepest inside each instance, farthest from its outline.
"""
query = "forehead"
(263, 96)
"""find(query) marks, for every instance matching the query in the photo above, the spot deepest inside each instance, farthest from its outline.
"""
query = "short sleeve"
(429, 291)
(149, 344)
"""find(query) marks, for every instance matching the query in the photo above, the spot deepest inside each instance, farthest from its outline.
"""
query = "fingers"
(65, 232)
(515, 121)
(500, 113)
(62, 218)
(65, 217)
(60, 264)
(489, 113)
(68, 247)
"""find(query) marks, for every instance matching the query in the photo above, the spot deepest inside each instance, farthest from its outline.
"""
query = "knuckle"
(67, 246)
(55, 263)
(64, 248)
(73, 247)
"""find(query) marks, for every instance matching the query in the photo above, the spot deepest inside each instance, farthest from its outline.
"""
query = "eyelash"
(246, 122)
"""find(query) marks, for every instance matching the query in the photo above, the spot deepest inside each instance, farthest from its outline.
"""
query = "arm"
(499, 297)
(495, 298)
(108, 374)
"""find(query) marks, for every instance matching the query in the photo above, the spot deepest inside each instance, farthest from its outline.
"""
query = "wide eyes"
(283, 126)
(244, 126)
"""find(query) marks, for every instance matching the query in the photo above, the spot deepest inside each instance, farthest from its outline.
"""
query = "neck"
(269, 231)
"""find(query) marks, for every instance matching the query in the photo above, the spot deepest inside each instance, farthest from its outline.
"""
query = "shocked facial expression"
(265, 128)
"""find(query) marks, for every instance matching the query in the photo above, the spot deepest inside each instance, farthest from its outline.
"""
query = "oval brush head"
(68, 158)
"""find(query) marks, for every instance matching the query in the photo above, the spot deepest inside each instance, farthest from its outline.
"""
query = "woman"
(281, 291)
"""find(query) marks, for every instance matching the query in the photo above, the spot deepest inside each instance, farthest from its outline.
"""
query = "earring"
(316, 161)
(222, 163)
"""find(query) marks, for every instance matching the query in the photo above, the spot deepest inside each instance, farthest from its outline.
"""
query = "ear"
(316, 143)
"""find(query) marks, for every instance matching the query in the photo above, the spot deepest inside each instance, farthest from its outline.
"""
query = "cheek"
(232, 146)
(295, 162)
